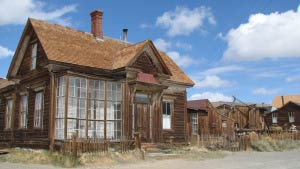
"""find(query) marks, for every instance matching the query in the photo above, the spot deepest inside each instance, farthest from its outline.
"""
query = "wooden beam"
(52, 109)
(14, 98)
(66, 109)
(87, 108)
(105, 107)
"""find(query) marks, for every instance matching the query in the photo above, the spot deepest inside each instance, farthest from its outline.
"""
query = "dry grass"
(29, 156)
(267, 144)
(18, 155)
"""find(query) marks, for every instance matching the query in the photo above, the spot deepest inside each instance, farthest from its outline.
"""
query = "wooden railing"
(95, 145)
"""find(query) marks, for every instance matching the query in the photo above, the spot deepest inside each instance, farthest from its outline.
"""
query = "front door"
(142, 118)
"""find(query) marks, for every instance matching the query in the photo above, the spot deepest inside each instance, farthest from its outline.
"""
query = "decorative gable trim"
(150, 51)
(20, 52)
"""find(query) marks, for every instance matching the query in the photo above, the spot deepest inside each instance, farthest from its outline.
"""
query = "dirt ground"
(242, 160)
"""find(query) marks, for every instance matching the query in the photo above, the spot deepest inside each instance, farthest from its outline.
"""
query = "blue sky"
(246, 48)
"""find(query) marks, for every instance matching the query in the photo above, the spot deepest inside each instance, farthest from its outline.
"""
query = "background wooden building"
(204, 119)
(245, 116)
(68, 81)
(285, 112)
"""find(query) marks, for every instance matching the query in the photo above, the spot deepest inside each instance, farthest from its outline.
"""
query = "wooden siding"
(25, 66)
(178, 119)
(210, 122)
(244, 116)
(283, 120)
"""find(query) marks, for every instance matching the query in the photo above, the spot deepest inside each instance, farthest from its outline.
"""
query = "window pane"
(38, 110)
(24, 103)
(166, 115)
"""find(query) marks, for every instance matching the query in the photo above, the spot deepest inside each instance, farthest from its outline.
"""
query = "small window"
(33, 56)
(167, 115)
(194, 123)
(9, 113)
(224, 124)
(23, 112)
(291, 117)
(38, 110)
(274, 117)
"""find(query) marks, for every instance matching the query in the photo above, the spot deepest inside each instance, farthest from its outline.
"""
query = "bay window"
(92, 105)
(114, 98)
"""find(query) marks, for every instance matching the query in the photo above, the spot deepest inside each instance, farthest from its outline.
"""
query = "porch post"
(66, 108)
(52, 109)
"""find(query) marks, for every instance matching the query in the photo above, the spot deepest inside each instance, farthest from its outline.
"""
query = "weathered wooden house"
(204, 119)
(68, 81)
(286, 112)
(246, 116)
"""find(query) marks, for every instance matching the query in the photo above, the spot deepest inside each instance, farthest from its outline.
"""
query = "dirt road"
(243, 160)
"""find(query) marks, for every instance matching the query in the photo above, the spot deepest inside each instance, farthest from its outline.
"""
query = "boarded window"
(33, 56)
(38, 111)
(167, 115)
(9, 113)
(23, 111)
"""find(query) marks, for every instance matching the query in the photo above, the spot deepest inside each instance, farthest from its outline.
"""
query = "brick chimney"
(96, 23)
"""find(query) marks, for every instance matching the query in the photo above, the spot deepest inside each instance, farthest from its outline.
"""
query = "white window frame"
(8, 117)
(194, 123)
(291, 117)
(167, 119)
(23, 111)
(34, 56)
(38, 110)
(274, 118)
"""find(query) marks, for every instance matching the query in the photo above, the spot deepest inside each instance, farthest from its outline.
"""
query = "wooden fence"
(240, 142)
(96, 145)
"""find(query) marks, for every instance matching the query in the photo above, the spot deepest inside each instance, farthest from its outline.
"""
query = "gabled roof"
(69, 46)
(288, 107)
(4, 83)
(198, 104)
(279, 101)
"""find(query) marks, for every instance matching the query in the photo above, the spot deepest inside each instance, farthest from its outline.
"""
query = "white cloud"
(265, 91)
(4, 52)
(211, 96)
(162, 45)
(183, 45)
(17, 12)
(181, 60)
(211, 82)
(184, 21)
(221, 69)
(145, 25)
(275, 35)
(293, 79)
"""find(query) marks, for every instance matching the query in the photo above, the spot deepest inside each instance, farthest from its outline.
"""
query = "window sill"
(22, 129)
(169, 130)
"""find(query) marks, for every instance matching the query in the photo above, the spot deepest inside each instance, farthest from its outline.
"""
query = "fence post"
(198, 140)
(138, 144)
(74, 145)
